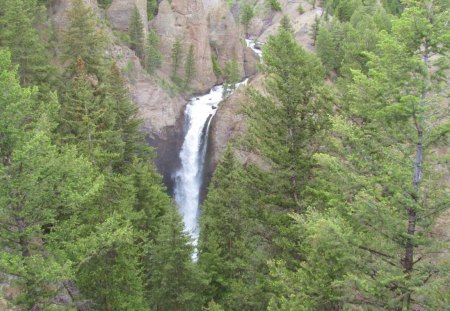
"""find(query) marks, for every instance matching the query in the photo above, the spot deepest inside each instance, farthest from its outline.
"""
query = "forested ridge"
(344, 208)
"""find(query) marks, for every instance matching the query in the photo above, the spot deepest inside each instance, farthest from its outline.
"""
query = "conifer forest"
(224, 155)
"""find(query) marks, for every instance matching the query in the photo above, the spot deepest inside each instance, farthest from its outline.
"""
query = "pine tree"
(399, 99)
(376, 177)
(84, 39)
(189, 69)
(117, 99)
(329, 45)
(285, 128)
(88, 121)
(315, 29)
(174, 281)
(177, 58)
(247, 14)
(229, 252)
(231, 76)
(28, 51)
(41, 185)
(285, 23)
(136, 31)
(154, 56)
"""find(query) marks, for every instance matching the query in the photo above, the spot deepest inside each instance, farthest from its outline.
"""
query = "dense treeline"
(83, 212)
(339, 212)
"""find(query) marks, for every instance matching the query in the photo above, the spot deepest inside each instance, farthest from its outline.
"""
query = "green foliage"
(293, 74)
(231, 76)
(344, 10)
(285, 24)
(228, 246)
(215, 65)
(175, 281)
(136, 31)
(274, 5)
(17, 19)
(189, 69)
(300, 9)
(104, 3)
(393, 6)
(40, 185)
(84, 39)
(152, 9)
(154, 56)
(177, 58)
(329, 40)
(315, 29)
(88, 121)
(247, 13)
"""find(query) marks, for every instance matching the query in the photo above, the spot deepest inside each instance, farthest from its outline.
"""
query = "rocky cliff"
(212, 27)
(229, 122)
(209, 27)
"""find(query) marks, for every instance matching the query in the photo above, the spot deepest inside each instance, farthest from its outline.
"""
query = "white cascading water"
(255, 46)
(188, 179)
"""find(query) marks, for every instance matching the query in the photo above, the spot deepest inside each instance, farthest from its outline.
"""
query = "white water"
(255, 46)
(188, 179)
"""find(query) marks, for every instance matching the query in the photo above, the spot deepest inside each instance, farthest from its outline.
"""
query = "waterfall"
(189, 178)
(199, 113)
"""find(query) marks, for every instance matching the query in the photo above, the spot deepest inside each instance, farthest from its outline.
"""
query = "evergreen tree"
(247, 14)
(20, 37)
(399, 101)
(329, 39)
(40, 186)
(117, 100)
(154, 56)
(229, 250)
(315, 29)
(285, 23)
(88, 121)
(285, 128)
(177, 58)
(84, 39)
(189, 68)
(376, 180)
(298, 105)
(136, 31)
(174, 281)
(231, 76)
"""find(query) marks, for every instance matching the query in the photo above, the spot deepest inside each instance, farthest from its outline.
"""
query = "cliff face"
(119, 13)
(213, 29)
(185, 21)
(229, 123)
(209, 27)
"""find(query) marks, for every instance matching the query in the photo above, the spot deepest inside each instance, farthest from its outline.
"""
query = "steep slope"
(229, 122)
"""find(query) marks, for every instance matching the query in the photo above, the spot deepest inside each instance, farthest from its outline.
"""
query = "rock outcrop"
(186, 21)
(211, 28)
(266, 24)
(120, 11)
(229, 123)
(225, 38)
